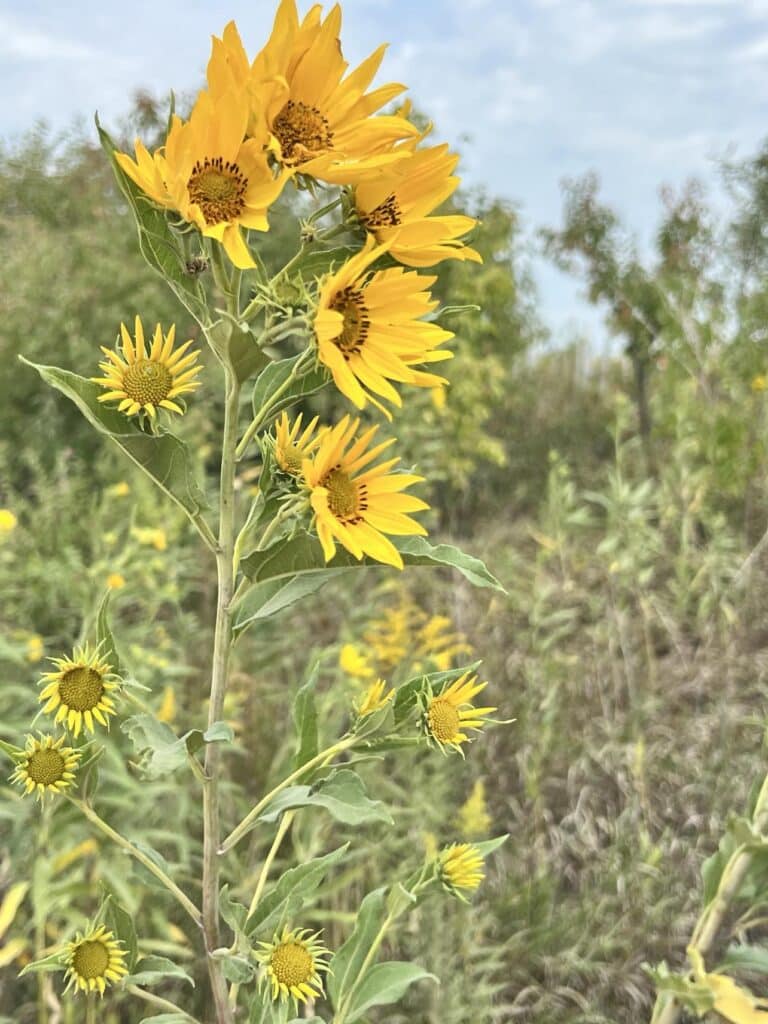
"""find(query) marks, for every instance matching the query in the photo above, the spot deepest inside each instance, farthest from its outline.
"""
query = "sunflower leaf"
(342, 794)
(305, 720)
(275, 376)
(266, 599)
(154, 969)
(163, 457)
(120, 923)
(348, 960)
(105, 638)
(292, 890)
(385, 984)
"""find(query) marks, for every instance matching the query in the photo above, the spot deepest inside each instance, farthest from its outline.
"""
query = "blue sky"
(644, 91)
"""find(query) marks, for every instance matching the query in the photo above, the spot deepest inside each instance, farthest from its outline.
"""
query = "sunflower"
(395, 208)
(94, 960)
(357, 506)
(317, 121)
(448, 714)
(460, 867)
(210, 173)
(47, 766)
(292, 964)
(80, 691)
(140, 380)
(375, 698)
(369, 333)
(290, 448)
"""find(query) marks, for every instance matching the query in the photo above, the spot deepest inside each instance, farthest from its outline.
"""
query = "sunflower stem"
(161, 1004)
(321, 759)
(139, 855)
(90, 1008)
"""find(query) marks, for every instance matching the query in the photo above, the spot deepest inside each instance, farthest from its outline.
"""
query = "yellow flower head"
(451, 712)
(759, 383)
(139, 379)
(375, 698)
(461, 868)
(35, 648)
(210, 173)
(291, 448)
(115, 581)
(317, 121)
(356, 504)
(80, 691)
(369, 331)
(151, 536)
(473, 818)
(47, 766)
(396, 207)
(94, 960)
(8, 521)
(119, 490)
(292, 965)
(354, 662)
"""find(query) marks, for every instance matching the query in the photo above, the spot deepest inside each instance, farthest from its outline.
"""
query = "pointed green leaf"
(342, 794)
(120, 923)
(385, 984)
(104, 636)
(348, 959)
(490, 845)
(266, 599)
(305, 720)
(154, 969)
(234, 913)
(161, 750)
(290, 893)
(275, 377)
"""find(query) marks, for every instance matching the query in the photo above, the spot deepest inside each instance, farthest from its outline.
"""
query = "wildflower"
(8, 521)
(395, 208)
(115, 581)
(151, 536)
(473, 818)
(95, 960)
(210, 173)
(47, 766)
(759, 383)
(357, 506)
(290, 448)
(460, 867)
(167, 710)
(80, 690)
(375, 698)
(293, 962)
(35, 648)
(436, 642)
(147, 380)
(354, 663)
(451, 712)
(369, 331)
(119, 490)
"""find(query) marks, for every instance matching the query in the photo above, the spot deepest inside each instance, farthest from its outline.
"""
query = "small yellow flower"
(473, 819)
(354, 663)
(290, 448)
(94, 960)
(375, 698)
(35, 648)
(461, 868)
(292, 964)
(759, 383)
(451, 712)
(80, 691)
(147, 380)
(155, 538)
(47, 766)
(439, 397)
(119, 490)
(167, 710)
(115, 581)
(8, 521)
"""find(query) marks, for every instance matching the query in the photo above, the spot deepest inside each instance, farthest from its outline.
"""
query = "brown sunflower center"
(443, 719)
(147, 382)
(81, 689)
(45, 767)
(90, 959)
(302, 131)
(351, 304)
(218, 187)
(292, 964)
(346, 497)
(385, 215)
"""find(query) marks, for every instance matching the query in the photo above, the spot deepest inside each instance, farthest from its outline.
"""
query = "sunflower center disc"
(218, 187)
(292, 964)
(45, 767)
(81, 689)
(90, 960)
(444, 721)
(342, 494)
(385, 215)
(303, 132)
(350, 304)
(147, 382)
(291, 457)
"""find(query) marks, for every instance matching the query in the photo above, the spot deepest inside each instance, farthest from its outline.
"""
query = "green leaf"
(321, 261)
(266, 599)
(244, 353)
(691, 994)
(745, 957)
(161, 750)
(275, 376)
(120, 922)
(291, 892)
(164, 458)
(302, 554)
(104, 636)
(342, 794)
(237, 969)
(45, 965)
(167, 1018)
(488, 847)
(348, 960)
(234, 913)
(385, 984)
(305, 721)
(154, 969)
(160, 247)
(407, 695)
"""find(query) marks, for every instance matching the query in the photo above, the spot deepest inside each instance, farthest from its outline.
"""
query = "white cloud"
(28, 43)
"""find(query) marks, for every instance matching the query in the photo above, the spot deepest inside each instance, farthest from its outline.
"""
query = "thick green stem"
(90, 1008)
(140, 856)
(221, 651)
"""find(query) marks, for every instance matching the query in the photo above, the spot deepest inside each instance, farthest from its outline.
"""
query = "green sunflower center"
(292, 964)
(218, 187)
(444, 721)
(346, 497)
(81, 689)
(90, 959)
(302, 131)
(385, 215)
(290, 458)
(147, 382)
(46, 767)
(351, 304)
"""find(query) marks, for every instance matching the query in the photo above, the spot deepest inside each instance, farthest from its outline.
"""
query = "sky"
(530, 91)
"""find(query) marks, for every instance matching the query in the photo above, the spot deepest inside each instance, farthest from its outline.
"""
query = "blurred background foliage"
(622, 500)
